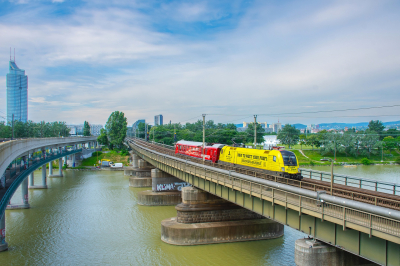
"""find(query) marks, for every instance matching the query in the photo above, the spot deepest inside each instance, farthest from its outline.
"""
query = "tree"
(102, 138)
(376, 126)
(332, 143)
(86, 129)
(392, 132)
(313, 140)
(389, 143)
(288, 135)
(116, 128)
(302, 138)
(250, 133)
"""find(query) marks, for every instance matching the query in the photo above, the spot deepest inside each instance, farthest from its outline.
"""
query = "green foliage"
(397, 160)
(102, 138)
(65, 166)
(31, 129)
(377, 127)
(365, 161)
(86, 128)
(389, 143)
(96, 153)
(392, 132)
(214, 133)
(116, 128)
(288, 135)
(124, 153)
(250, 133)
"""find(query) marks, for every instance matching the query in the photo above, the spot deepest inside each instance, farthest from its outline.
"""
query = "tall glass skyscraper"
(17, 94)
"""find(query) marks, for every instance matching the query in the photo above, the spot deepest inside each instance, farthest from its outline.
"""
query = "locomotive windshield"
(289, 159)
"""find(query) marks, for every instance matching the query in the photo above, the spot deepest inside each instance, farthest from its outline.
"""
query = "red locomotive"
(195, 149)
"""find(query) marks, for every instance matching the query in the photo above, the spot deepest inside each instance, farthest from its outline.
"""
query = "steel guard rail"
(347, 211)
(24, 174)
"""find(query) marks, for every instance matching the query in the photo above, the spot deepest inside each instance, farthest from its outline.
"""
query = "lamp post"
(204, 135)
(255, 131)
(331, 176)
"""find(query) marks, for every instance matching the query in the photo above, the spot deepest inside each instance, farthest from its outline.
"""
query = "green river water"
(92, 218)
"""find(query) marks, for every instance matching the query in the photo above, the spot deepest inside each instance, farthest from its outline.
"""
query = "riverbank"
(310, 158)
(113, 156)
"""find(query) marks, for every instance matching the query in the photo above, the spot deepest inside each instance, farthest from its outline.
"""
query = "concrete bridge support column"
(203, 218)
(51, 168)
(60, 165)
(134, 165)
(3, 243)
(25, 197)
(31, 180)
(315, 253)
(142, 175)
(166, 190)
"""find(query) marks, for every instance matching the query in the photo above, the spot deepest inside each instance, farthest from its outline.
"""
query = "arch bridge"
(20, 158)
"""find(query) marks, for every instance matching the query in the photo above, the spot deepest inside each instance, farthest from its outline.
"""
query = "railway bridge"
(364, 222)
(20, 158)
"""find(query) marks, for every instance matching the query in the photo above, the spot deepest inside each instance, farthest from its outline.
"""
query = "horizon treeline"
(31, 129)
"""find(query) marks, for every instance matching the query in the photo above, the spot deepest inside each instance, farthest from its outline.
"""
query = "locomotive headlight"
(283, 169)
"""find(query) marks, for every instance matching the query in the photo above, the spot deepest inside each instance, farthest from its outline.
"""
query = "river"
(92, 218)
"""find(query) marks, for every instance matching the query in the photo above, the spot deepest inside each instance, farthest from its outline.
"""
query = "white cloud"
(96, 61)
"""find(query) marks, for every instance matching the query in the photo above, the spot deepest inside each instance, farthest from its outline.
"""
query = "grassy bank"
(314, 157)
(114, 156)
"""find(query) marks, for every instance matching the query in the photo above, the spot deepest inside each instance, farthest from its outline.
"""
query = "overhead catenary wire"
(315, 112)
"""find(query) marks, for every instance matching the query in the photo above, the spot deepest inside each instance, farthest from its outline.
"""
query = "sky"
(229, 59)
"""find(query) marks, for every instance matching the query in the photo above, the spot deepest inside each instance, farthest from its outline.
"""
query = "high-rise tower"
(17, 93)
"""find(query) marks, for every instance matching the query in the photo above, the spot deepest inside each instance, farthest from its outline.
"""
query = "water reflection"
(92, 218)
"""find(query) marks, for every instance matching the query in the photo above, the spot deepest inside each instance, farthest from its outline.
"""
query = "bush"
(97, 153)
(365, 161)
(124, 153)
(312, 163)
(65, 166)
(397, 160)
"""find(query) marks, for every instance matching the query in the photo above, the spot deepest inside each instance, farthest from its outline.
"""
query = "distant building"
(75, 130)
(136, 124)
(276, 127)
(17, 93)
(129, 132)
(263, 124)
(95, 129)
(158, 120)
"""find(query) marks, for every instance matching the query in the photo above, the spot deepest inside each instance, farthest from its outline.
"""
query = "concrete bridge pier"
(51, 168)
(315, 253)
(203, 218)
(25, 197)
(166, 190)
(24, 192)
(73, 160)
(60, 173)
(141, 176)
(44, 180)
(134, 165)
(3, 243)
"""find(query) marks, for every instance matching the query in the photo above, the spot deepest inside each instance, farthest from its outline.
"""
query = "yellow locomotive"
(282, 163)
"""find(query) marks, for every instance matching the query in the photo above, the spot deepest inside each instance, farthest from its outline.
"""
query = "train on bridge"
(278, 162)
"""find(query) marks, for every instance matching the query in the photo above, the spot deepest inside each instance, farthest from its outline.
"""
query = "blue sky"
(228, 59)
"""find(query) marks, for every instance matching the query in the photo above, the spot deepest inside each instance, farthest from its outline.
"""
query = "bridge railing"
(353, 181)
(348, 217)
